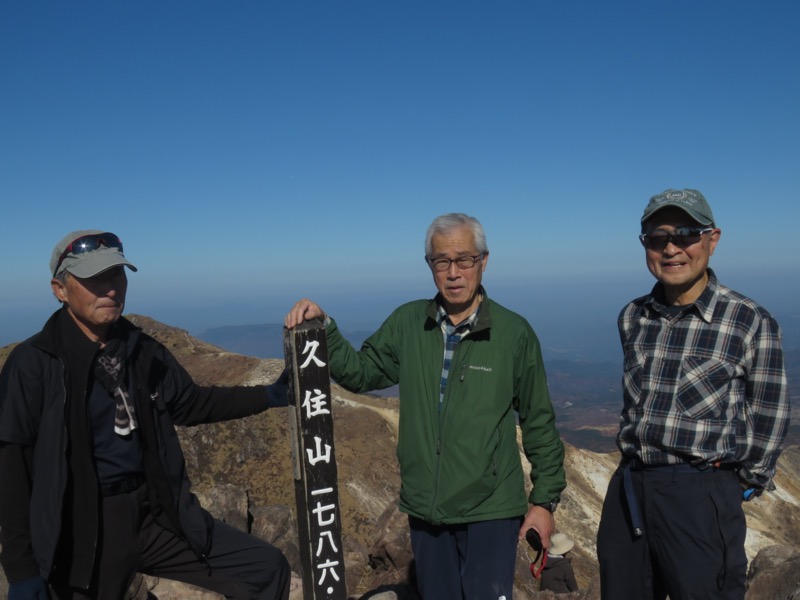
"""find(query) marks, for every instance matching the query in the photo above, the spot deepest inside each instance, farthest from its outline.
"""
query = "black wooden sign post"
(314, 463)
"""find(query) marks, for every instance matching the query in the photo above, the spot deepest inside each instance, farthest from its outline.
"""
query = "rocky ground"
(242, 473)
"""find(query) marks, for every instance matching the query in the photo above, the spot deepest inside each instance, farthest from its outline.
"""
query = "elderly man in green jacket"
(466, 367)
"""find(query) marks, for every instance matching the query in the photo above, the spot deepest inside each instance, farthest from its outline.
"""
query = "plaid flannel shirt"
(452, 335)
(705, 384)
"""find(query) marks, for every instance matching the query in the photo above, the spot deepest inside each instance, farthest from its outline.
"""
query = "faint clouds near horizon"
(574, 317)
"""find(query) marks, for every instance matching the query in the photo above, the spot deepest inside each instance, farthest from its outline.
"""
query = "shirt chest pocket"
(704, 387)
(632, 374)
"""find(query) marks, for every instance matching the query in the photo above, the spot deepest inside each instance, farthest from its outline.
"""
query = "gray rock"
(228, 503)
(277, 525)
(774, 575)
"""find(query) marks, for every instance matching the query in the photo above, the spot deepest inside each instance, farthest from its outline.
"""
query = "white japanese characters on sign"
(315, 428)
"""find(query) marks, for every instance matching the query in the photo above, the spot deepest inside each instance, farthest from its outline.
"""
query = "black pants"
(470, 561)
(239, 566)
(692, 546)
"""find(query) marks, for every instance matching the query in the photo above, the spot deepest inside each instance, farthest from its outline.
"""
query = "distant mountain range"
(263, 340)
(586, 393)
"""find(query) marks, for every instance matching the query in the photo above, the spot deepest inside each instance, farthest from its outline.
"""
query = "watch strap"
(550, 506)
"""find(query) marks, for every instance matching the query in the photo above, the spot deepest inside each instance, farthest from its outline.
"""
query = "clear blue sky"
(251, 153)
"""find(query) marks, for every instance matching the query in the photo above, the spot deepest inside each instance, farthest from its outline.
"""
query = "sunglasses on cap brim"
(89, 243)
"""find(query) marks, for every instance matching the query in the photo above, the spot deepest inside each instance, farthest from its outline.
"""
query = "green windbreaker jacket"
(461, 464)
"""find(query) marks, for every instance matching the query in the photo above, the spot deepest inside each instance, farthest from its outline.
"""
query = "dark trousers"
(471, 561)
(239, 566)
(692, 546)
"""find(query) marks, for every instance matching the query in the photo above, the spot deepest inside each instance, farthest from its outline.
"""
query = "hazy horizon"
(252, 153)
(575, 318)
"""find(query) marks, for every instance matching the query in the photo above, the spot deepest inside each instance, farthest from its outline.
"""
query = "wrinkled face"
(682, 270)
(459, 287)
(95, 303)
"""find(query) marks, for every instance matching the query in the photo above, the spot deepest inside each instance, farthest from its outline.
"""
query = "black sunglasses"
(682, 237)
(88, 243)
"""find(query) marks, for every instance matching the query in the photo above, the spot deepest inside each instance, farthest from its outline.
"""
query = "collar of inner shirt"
(463, 327)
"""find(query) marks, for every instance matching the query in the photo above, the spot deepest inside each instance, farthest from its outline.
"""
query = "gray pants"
(239, 566)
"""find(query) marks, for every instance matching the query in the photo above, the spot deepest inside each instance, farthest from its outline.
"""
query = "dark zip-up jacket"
(558, 575)
(47, 452)
(461, 464)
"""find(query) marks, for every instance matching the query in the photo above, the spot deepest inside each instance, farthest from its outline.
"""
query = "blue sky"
(251, 153)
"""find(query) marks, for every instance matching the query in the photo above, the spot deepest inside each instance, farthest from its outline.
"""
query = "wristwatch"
(551, 506)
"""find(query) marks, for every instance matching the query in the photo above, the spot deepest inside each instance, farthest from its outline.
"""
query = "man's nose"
(453, 270)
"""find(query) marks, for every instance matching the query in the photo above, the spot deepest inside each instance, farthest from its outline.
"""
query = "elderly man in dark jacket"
(93, 484)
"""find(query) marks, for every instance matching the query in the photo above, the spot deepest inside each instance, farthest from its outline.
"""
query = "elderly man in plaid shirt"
(705, 412)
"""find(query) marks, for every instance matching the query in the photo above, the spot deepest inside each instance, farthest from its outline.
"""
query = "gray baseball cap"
(692, 202)
(88, 252)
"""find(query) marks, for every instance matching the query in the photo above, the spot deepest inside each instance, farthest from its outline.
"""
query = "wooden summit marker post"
(314, 463)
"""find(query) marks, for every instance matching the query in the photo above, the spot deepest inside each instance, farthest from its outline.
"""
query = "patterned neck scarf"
(109, 371)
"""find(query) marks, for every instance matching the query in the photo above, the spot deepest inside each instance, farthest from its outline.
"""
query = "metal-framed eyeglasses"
(442, 264)
(682, 237)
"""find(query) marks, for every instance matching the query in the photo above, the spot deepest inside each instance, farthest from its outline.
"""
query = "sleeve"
(374, 367)
(767, 404)
(191, 404)
(20, 408)
(569, 576)
(541, 441)
(21, 396)
(15, 496)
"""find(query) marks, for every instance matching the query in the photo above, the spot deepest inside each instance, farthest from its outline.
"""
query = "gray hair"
(446, 223)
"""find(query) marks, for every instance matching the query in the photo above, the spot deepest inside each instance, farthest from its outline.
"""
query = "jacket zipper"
(442, 421)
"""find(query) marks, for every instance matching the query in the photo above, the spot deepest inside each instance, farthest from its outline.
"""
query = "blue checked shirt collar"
(453, 334)
(704, 305)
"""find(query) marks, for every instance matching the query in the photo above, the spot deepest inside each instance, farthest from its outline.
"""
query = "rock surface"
(241, 470)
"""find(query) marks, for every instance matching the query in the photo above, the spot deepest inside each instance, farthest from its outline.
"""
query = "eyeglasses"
(462, 262)
(682, 237)
(88, 243)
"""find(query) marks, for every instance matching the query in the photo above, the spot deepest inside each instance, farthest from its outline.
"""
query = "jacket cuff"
(20, 568)
(278, 392)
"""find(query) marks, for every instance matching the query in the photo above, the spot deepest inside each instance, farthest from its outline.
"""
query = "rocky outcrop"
(774, 574)
(242, 473)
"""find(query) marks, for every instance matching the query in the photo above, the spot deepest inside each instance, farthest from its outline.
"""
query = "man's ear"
(59, 290)
(715, 235)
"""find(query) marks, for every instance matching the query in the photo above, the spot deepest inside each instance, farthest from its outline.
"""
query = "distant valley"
(585, 392)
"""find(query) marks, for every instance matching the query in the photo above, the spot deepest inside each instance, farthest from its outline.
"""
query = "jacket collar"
(56, 335)
(484, 317)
